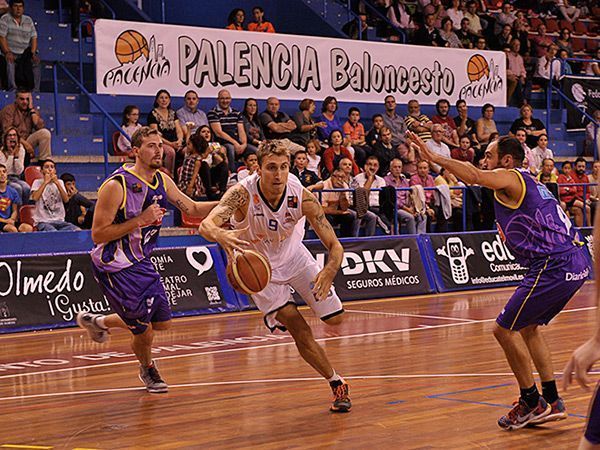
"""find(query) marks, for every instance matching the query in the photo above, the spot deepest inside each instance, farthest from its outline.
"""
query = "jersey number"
(273, 225)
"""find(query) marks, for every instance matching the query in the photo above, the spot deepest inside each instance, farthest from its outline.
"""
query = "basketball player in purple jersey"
(585, 356)
(539, 234)
(131, 205)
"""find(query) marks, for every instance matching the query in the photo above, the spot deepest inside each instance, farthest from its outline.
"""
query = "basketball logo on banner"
(484, 78)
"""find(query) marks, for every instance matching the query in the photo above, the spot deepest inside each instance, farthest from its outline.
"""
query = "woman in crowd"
(448, 35)
(163, 118)
(455, 12)
(540, 152)
(12, 156)
(306, 126)
(335, 153)
(533, 127)
(218, 155)
(485, 125)
(328, 116)
(235, 20)
(130, 124)
(564, 41)
(254, 131)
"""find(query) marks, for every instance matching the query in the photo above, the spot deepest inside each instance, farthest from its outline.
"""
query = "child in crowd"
(78, 210)
(375, 133)
(251, 162)
(312, 149)
(130, 124)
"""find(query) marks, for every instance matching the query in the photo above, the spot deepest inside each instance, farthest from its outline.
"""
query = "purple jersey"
(538, 227)
(137, 245)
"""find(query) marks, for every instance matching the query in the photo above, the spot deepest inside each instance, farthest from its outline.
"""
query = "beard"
(155, 165)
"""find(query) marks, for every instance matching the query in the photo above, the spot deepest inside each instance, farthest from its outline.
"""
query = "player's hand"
(322, 284)
(231, 242)
(581, 362)
(153, 214)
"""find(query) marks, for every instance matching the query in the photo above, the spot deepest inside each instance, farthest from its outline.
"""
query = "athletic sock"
(100, 322)
(335, 379)
(531, 396)
(549, 391)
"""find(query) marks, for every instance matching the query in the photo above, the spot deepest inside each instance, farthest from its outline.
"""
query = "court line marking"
(420, 316)
(287, 380)
(280, 344)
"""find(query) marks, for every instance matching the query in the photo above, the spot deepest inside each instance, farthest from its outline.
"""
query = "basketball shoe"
(558, 412)
(341, 400)
(521, 414)
(152, 379)
(87, 321)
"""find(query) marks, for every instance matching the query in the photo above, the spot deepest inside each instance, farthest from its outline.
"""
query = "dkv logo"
(372, 261)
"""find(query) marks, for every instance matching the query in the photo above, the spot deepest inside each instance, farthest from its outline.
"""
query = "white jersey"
(277, 232)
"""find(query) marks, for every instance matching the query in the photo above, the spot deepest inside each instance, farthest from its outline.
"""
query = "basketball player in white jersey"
(267, 211)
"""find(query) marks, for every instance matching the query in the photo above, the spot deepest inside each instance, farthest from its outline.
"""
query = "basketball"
(130, 45)
(477, 67)
(249, 272)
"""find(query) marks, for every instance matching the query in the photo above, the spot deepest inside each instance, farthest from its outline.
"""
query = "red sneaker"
(521, 414)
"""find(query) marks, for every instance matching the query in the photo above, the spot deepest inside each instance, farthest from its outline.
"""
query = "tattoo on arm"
(182, 206)
(233, 200)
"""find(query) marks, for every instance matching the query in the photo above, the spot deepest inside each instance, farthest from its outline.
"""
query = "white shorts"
(279, 294)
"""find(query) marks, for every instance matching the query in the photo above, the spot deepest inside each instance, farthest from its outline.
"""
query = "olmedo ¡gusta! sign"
(141, 58)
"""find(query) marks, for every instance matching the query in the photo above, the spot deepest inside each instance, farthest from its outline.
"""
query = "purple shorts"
(592, 431)
(136, 294)
(546, 289)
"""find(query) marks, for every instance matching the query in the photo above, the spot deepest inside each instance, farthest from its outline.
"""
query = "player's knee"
(501, 334)
(161, 326)
(335, 320)
(529, 331)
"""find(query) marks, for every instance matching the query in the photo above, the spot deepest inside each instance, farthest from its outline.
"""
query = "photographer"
(23, 116)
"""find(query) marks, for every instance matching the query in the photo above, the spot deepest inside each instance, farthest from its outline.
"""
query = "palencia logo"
(484, 78)
(378, 261)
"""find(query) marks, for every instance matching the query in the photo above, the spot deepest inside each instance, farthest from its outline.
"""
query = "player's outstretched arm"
(587, 354)
(184, 203)
(498, 179)
(313, 211)
(110, 199)
(235, 200)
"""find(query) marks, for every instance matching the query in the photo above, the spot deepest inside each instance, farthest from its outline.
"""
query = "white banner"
(141, 58)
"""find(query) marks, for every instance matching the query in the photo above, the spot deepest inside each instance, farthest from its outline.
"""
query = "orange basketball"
(249, 272)
(477, 67)
(130, 45)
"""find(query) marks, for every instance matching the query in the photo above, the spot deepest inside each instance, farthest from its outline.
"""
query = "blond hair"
(273, 147)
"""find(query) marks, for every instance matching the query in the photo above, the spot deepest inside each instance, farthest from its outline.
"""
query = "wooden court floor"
(425, 372)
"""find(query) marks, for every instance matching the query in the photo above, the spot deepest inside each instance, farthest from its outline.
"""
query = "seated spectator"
(521, 32)
(423, 178)
(336, 205)
(568, 195)
(345, 165)
(218, 152)
(12, 157)
(464, 124)
(354, 133)
(278, 125)
(306, 127)
(448, 36)
(456, 197)
(328, 116)
(163, 118)
(583, 192)
(594, 178)
(533, 127)
(385, 152)
(374, 133)
(456, 14)
(308, 178)
(3, 7)
(260, 24)
(506, 17)
(428, 34)
(503, 38)
(19, 44)
(437, 145)
(547, 173)
(449, 133)
(254, 131)
(235, 20)
(541, 42)
(49, 195)
(395, 122)
(464, 35)
(474, 20)
(190, 116)
(312, 153)
(407, 214)
(485, 126)
(357, 30)
(481, 43)
(335, 153)
(564, 42)
(517, 92)
(227, 125)
(10, 201)
(400, 18)
(568, 11)
(532, 164)
(251, 162)
(567, 69)
(593, 68)
(465, 152)
(540, 152)
(129, 124)
(545, 65)
(592, 134)
(370, 180)
(417, 122)
(78, 210)
(23, 116)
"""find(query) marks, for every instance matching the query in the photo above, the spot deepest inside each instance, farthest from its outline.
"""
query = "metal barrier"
(585, 188)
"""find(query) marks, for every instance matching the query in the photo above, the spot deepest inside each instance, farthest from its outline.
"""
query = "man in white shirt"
(370, 180)
(541, 75)
(436, 145)
(50, 195)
